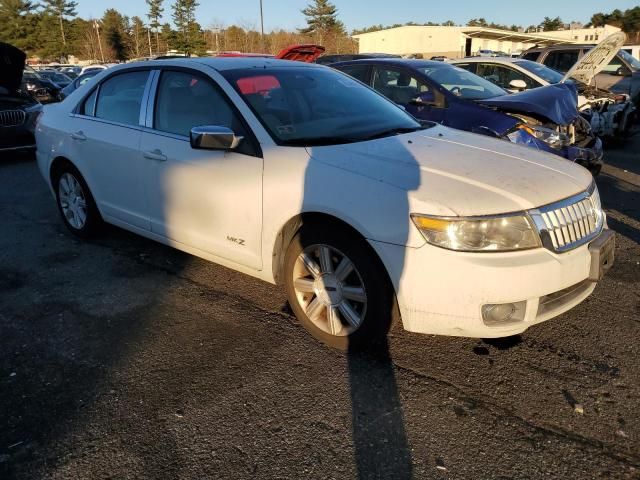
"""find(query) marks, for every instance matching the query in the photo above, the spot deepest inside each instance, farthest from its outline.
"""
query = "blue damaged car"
(544, 118)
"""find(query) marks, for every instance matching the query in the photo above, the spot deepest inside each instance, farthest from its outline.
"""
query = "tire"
(354, 308)
(75, 202)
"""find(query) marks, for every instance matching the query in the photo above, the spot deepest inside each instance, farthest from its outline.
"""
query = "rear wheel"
(75, 202)
(338, 288)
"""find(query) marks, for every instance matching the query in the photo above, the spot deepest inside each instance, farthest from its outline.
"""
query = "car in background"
(486, 53)
(60, 79)
(307, 53)
(77, 83)
(41, 88)
(610, 114)
(93, 68)
(18, 110)
(620, 74)
(299, 175)
(545, 118)
(72, 72)
(329, 59)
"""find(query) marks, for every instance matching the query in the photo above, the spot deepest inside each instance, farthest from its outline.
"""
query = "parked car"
(329, 59)
(620, 74)
(308, 53)
(42, 89)
(324, 186)
(545, 118)
(71, 72)
(610, 114)
(93, 68)
(79, 81)
(486, 53)
(18, 110)
(60, 79)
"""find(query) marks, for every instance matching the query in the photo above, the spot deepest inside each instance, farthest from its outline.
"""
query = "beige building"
(458, 42)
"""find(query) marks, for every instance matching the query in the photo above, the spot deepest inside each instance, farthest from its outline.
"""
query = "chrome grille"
(12, 118)
(570, 223)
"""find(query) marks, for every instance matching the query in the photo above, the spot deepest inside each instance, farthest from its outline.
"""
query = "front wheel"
(338, 288)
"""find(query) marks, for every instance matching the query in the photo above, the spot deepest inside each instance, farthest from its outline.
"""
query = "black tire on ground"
(94, 221)
(381, 309)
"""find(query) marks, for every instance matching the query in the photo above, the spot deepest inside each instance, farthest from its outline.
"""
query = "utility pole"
(149, 38)
(261, 26)
(97, 27)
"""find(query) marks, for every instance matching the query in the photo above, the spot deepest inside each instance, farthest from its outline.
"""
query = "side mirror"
(518, 84)
(424, 99)
(214, 138)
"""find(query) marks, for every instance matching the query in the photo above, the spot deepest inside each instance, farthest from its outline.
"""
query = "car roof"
(221, 63)
(399, 62)
(487, 59)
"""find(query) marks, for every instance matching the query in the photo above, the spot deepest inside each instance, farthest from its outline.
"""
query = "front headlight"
(479, 234)
(549, 136)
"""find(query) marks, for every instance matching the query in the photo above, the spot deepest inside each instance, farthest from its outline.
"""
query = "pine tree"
(322, 21)
(17, 22)
(189, 33)
(154, 16)
(114, 31)
(61, 9)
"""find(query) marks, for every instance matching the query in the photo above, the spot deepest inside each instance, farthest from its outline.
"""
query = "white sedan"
(299, 175)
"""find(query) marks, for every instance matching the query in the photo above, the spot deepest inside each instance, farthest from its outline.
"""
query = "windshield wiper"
(394, 131)
(317, 141)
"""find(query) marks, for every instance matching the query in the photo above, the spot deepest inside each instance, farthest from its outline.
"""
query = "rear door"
(105, 139)
(205, 199)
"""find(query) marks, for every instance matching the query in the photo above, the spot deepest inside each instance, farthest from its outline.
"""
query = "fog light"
(501, 313)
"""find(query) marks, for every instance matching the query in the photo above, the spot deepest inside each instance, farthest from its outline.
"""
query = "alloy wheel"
(72, 200)
(330, 290)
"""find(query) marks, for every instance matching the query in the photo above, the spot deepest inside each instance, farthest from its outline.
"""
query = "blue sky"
(360, 13)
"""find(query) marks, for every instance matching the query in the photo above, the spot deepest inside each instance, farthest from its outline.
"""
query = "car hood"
(556, 102)
(12, 61)
(301, 53)
(450, 172)
(594, 61)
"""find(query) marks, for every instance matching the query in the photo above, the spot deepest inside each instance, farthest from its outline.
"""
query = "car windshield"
(630, 59)
(541, 70)
(462, 83)
(317, 106)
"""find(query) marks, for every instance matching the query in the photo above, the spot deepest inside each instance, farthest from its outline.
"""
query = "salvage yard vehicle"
(18, 109)
(299, 175)
(610, 114)
(308, 53)
(42, 89)
(546, 118)
(617, 71)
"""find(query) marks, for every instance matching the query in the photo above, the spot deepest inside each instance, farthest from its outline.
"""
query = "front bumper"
(589, 154)
(442, 292)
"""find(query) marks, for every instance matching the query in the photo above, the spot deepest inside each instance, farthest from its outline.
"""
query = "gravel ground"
(122, 358)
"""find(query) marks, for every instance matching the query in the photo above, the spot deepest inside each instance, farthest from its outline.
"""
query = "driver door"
(401, 87)
(210, 200)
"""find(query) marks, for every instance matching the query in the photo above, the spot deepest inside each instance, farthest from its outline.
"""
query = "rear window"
(562, 60)
(120, 98)
(533, 56)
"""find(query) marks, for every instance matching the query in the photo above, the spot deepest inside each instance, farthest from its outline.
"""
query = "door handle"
(80, 136)
(155, 155)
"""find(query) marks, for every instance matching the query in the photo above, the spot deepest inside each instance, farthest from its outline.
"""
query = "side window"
(469, 67)
(533, 56)
(187, 100)
(616, 66)
(502, 75)
(89, 104)
(398, 86)
(120, 97)
(562, 60)
(359, 72)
